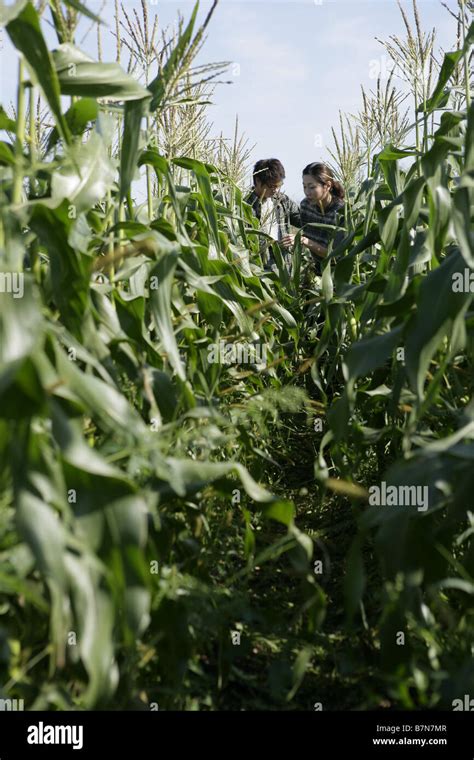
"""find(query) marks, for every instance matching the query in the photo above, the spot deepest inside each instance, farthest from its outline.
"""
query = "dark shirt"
(312, 214)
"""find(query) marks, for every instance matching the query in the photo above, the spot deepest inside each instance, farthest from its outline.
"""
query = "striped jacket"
(312, 214)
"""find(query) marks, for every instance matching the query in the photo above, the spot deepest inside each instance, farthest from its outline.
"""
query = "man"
(274, 210)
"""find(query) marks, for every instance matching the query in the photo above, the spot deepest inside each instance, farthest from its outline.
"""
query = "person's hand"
(304, 240)
(287, 240)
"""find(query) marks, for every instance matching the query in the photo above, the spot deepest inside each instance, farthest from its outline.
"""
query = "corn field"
(185, 532)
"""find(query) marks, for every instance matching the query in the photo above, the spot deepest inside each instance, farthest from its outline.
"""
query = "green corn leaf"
(161, 82)
(21, 326)
(160, 305)
(87, 178)
(450, 62)
(187, 476)
(7, 157)
(134, 111)
(369, 353)
(44, 534)
(6, 122)
(95, 622)
(78, 6)
(25, 33)
(388, 225)
(104, 401)
(69, 268)
(463, 220)
(438, 307)
(204, 182)
(78, 116)
(80, 75)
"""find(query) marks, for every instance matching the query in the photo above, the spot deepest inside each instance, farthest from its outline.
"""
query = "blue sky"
(296, 63)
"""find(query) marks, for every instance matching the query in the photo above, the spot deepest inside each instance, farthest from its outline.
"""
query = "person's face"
(269, 190)
(316, 192)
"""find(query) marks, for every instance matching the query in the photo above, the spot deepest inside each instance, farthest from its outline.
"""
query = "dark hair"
(323, 173)
(268, 171)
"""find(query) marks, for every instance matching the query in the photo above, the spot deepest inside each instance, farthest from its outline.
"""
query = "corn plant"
(119, 420)
(394, 366)
(157, 387)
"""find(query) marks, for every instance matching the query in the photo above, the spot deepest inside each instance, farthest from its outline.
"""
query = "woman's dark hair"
(323, 173)
(269, 171)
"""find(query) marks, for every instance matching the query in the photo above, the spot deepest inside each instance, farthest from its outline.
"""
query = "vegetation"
(155, 505)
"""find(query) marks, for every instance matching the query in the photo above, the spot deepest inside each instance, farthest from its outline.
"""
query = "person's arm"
(316, 248)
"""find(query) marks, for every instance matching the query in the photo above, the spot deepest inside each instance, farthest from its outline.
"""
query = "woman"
(323, 204)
